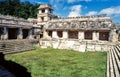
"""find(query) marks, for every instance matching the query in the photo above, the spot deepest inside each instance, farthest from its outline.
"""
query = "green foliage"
(54, 17)
(18, 9)
(61, 63)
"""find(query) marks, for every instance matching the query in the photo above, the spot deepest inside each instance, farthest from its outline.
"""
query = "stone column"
(45, 35)
(20, 34)
(30, 34)
(113, 36)
(81, 35)
(65, 34)
(54, 34)
(46, 10)
(95, 35)
(4, 35)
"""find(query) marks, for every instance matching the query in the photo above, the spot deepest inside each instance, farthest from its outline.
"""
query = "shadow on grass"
(12, 69)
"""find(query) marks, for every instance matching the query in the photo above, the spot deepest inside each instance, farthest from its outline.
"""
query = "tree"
(54, 16)
(18, 9)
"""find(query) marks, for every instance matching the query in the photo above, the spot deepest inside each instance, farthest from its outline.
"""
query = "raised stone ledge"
(11, 17)
(75, 24)
(77, 45)
(83, 18)
(10, 20)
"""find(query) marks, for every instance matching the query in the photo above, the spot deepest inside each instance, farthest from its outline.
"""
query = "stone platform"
(13, 46)
(77, 45)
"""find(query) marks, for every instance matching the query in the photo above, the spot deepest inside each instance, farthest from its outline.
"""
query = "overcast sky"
(73, 8)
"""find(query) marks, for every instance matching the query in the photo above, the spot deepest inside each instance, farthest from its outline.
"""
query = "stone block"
(104, 48)
(55, 44)
(43, 46)
(90, 48)
(98, 48)
(82, 48)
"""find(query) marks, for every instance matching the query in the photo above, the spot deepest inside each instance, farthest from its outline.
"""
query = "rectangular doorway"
(12, 33)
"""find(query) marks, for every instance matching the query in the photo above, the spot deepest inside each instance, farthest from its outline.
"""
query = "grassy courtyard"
(61, 63)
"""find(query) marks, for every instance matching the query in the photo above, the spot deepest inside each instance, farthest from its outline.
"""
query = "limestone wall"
(76, 24)
(11, 21)
(77, 45)
(83, 18)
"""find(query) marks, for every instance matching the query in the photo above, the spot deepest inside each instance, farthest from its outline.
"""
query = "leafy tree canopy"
(18, 9)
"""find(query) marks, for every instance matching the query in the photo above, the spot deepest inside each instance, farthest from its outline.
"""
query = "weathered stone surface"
(84, 33)
(12, 46)
(11, 21)
(90, 47)
(77, 45)
(114, 36)
(80, 23)
(98, 48)
(20, 34)
(82, 48)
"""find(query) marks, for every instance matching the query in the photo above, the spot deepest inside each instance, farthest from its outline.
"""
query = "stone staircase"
(113, 61)
(13, 46)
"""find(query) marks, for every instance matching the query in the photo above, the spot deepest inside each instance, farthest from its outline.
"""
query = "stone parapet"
(77, 45)
(83, 18)
(11, 21)
(76, 24)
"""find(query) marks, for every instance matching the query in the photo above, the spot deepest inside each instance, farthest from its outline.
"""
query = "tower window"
(42, 18)
(50, 11)
(43, 11)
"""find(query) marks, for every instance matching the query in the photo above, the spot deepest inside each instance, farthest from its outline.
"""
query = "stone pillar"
(65, 34)
(40, 11)
(46, 10)
(20, 34)
(54, 34)
(98, 35)
(81, 35)
(4, 35)
(45, 35)
(113, 36)
(95, 35)
(30, 36)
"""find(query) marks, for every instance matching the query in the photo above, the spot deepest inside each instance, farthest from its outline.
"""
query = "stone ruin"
(83, 33)
(16, 34)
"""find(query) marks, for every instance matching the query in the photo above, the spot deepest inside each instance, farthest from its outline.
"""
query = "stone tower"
(45, 13)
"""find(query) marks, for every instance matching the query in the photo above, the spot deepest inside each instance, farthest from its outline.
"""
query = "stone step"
(15, 51)
(113, 62)
(111, 65)
(12, 46)
(108, 64)
(118, 52)
(116, 69)
(118, 46)
(117, 58)
(7, 48)
(12, 43)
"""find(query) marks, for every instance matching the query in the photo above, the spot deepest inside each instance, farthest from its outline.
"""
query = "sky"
(74, 8)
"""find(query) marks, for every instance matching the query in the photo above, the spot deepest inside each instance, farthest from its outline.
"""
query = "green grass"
(61, 63)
